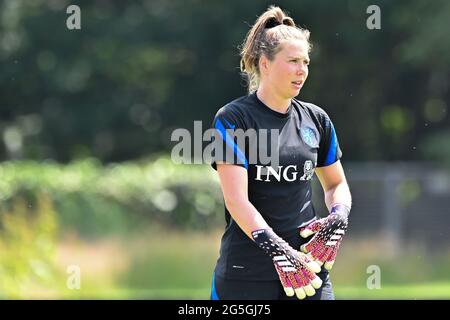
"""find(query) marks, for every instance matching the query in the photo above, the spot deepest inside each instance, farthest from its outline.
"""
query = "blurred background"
(91, 205)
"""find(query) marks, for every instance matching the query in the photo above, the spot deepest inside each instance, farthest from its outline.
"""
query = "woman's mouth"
(297, 84)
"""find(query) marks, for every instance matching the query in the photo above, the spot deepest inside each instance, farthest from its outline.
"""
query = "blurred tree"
(116, 88)
(27, 249)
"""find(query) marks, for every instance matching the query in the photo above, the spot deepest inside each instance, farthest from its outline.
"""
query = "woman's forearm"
(246, 216)
(338, 194)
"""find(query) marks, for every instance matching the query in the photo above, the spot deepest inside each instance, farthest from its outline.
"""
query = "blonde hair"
(264, 38)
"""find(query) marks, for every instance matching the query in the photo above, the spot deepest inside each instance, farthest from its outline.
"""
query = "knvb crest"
(309, 137)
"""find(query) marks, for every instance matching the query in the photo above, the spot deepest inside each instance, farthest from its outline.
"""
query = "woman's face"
(288, 71)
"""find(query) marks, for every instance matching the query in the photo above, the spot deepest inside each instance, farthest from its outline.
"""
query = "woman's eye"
(297, 61)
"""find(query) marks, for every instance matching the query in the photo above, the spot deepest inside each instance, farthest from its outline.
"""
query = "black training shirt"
(281, 194)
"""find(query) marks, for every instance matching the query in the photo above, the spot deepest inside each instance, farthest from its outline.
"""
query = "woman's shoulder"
(311, 108)
(237, 107)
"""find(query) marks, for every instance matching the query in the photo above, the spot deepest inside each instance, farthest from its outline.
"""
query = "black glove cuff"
(270, 242)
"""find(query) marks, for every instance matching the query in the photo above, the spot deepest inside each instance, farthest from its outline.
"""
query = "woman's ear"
(263, 65)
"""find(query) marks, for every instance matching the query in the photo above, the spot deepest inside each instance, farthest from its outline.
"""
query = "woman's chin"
(295, 93)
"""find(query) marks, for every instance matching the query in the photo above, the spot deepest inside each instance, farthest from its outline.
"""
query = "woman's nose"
(301, 70)
(305, 68)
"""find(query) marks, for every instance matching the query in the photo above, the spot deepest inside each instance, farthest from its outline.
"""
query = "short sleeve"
(227, 123)
(329, 150)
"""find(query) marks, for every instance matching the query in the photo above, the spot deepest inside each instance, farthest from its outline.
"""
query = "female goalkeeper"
(274, 247)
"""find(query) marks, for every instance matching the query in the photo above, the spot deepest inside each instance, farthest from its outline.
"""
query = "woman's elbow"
(233, 202)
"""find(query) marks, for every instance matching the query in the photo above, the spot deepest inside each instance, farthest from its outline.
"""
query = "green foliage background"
(86, 117)
(117, 88)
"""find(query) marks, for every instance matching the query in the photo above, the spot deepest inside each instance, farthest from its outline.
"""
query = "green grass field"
(408, 292)
(162, 264)
(180, 267)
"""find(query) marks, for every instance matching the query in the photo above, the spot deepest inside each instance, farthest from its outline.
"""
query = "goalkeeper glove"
(296, 271)
(328, 231)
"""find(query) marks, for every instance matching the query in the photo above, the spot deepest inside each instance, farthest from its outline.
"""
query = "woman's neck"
(272, 101)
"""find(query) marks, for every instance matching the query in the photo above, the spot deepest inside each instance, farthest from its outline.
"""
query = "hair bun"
(289, 21)
(272, 22)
